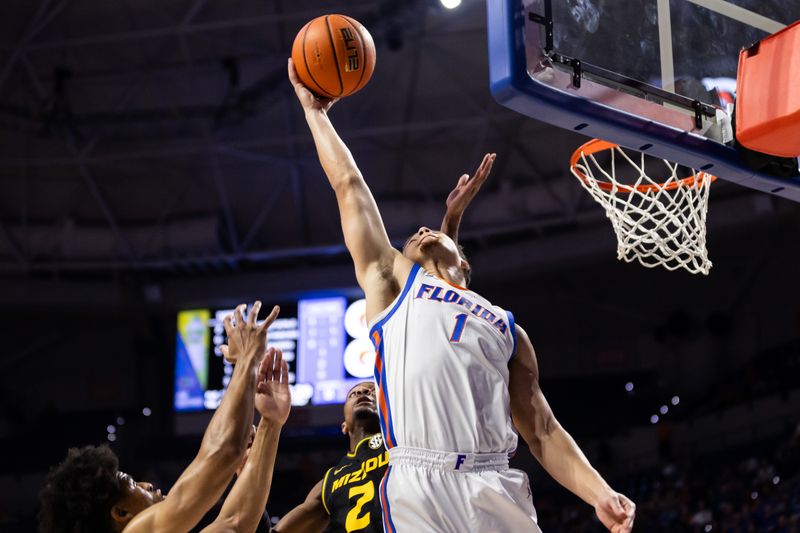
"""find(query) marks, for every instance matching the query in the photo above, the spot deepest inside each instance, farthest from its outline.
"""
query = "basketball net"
(657, 223)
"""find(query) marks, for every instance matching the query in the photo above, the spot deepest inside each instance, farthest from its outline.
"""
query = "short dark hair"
(78, 494)
(468, 270)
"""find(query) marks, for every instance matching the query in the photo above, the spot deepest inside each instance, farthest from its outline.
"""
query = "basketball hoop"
(658, 223)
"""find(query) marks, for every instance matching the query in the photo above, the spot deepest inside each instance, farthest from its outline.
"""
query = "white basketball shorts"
(425, 491)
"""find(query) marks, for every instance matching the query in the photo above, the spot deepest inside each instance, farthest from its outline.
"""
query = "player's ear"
(344, 428)
(467, 270)
(119, 515)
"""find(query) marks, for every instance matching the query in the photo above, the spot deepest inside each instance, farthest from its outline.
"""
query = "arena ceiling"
(163, 135)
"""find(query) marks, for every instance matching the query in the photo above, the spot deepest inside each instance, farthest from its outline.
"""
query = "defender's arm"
(225, 439)
(244, 506)
(554, 448)
(462, 195)
(308, 517)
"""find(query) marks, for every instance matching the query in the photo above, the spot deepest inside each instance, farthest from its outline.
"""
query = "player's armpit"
(308, 517)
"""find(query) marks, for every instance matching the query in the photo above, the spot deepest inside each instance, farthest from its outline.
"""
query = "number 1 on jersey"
(458, 330)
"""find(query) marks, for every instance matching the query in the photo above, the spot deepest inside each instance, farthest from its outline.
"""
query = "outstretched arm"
(459, 198)
(225, 439)
(245, 504)
(554, 448)
(364, 232)
(308, 517)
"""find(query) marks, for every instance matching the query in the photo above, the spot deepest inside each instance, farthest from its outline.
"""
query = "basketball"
(334, 56)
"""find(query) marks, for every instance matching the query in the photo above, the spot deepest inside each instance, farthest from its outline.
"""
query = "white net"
(657, 223)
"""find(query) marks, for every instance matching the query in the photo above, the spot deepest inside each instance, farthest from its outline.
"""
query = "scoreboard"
(324, 341)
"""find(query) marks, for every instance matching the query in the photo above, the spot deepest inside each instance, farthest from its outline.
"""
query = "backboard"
(658, 76)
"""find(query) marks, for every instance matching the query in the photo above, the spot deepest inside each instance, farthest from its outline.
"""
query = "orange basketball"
(334, 56)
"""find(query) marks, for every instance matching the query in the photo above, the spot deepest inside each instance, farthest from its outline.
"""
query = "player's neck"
(360, 433)
(450, 273)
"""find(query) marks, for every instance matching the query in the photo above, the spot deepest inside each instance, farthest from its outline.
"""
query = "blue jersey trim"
(387, 507)
(513, 328)
(410, 281)
(389, 423)
(384, 430)
(387, 427)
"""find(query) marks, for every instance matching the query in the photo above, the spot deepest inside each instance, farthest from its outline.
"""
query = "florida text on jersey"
(350, 489)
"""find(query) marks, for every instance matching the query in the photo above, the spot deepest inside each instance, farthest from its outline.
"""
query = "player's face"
(137, 496)
(360, 402)
(428, 244)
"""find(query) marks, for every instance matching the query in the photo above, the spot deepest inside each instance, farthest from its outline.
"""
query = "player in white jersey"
(453, 371)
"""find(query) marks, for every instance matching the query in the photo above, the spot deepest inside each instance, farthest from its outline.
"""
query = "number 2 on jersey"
(458, 330)
(366, 492)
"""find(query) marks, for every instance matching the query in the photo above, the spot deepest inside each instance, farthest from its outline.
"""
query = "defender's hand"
(273, 398)
(245, 336)
(616, 512)
(308, 100)
(466, 188)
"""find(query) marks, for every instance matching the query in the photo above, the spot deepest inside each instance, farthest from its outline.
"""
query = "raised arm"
(364, 233)
(462, 195)
(244, 506)
(308, 517)
(225, 439)
(554, 448)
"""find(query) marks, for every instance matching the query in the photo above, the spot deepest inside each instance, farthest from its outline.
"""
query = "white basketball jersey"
(442, 368)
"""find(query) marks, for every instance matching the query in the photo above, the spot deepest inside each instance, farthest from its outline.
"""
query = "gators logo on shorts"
(376, 441)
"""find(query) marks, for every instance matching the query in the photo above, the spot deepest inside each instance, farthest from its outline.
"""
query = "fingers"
(273, 369)
(293, 73)
(228, 323)
(630, 511)
(270, 319)
(266, 369)
(485, 167)
(279, 362)
(617, 509)
(284, 375)
(627, 527)
(238, 314)
(226, 353)
(487, 162)
(251, 317)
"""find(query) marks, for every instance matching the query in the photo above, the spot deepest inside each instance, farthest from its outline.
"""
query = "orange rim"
(597, 145)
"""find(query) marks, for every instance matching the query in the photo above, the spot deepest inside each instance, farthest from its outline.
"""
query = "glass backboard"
(653, 75)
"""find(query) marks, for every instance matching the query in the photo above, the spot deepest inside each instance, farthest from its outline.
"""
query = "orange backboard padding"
(768, 94)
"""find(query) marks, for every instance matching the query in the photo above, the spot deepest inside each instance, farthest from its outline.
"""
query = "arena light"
(120, 421)
(111, 437)
(146, 411)
(111, 429)
(664, 409)
(676, 400)
(629, 386)
(451, 4)
(654, 419)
